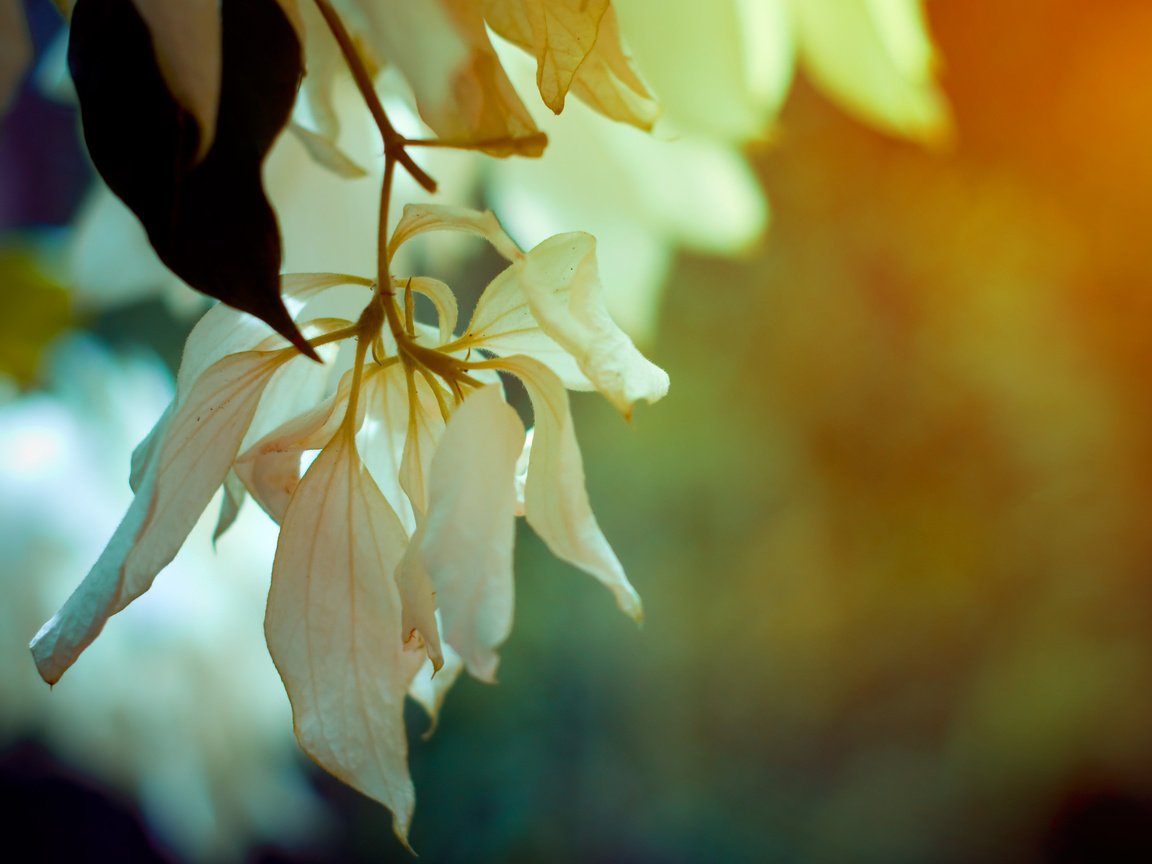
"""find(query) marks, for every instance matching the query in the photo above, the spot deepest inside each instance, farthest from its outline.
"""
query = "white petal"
(230, 502)
(198, 449)
(442, 298)
(425, 428)
(420, 218)
(555, 498)
(560, 279)
(327, 153)
(334, 629)
(503, 323)
(430, 685)
(464, 542)
(270, 468)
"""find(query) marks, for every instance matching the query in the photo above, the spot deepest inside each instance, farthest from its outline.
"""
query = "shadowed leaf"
(209, 219)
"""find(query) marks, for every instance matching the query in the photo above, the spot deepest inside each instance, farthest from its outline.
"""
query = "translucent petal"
(555, 498)
(503, 323)
(334, 628)
(430, 685)
(326, 152)
(420, 218)
(199, 446)
(876, 59)
(270, 468)
(560, 279)
(464, 542)
(230, 502)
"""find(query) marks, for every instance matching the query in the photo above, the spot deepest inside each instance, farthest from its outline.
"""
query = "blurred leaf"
(35, 309)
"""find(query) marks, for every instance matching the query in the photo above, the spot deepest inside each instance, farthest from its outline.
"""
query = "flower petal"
(464, 542)
(421, 218)
(198, 449)
(334, 628)
(430, 685)
(555, 499)
(560, 279)
(270, 468)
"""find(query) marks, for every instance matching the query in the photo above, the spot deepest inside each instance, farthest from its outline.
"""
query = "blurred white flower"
(178, 706)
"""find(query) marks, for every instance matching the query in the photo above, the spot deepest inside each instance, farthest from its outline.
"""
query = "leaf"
(181, 473)
(334, 632)
(208, 219)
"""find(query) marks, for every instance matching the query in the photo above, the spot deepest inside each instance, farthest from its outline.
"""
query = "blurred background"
(890, 525)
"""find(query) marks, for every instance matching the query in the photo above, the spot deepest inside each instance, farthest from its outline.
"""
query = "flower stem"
(393, 141)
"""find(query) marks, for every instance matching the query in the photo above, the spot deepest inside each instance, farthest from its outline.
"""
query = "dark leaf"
(209, 221)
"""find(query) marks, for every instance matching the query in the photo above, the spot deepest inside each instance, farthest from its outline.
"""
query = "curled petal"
(442, 298)
(503, 323)
(431, 685)
(420, 218)
(464, 542)
(270, 468)
(334, 628)
(555, 498)
(561, 281)
(199, 446)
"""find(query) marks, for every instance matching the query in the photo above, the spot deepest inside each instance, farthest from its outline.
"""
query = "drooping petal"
(230, 503)
(420, 218)
(199, 446)
(442, 298)
(425, 428)
(461, 90)
(270, 468)
(555, 498)
(430, 685)
(224, 330)
(577, 47)
(561, 281)
(503, 323)
(334, 629)
(464, 542)
(878, 61)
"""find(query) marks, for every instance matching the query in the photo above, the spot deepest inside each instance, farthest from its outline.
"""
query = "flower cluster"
(395, 549)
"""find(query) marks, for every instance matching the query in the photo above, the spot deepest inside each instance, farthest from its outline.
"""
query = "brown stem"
(393, 141)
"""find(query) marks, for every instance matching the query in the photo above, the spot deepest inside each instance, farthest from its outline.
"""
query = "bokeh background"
(891, 524)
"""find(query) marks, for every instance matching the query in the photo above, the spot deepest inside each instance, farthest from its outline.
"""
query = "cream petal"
(270, 468)
(421, 218)
(555, 498)
(464, 542)
(442, 299)
(877, 60)
(232, 498)
(425, 428)
(224, 330)
(199, 446)
(430, 685)
(381, 439)
(327, 153)
(560, 279)
(334, 629)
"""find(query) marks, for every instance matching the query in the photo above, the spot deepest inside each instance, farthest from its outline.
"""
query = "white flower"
(395, 548)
